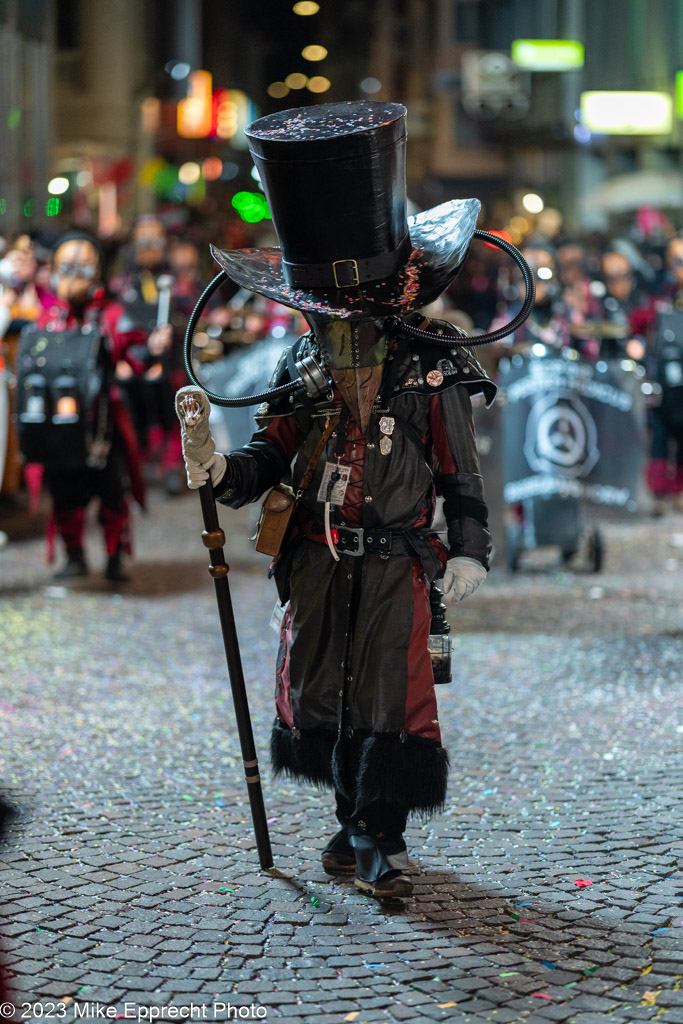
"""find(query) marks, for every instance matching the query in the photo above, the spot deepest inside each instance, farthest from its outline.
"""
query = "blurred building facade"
(26, 123)
(88, 90)
(484, 127)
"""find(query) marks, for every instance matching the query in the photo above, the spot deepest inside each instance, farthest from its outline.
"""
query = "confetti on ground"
(444, 1006)
(476, 862)
(314, 901)
(582, 883)
(650, 998)
(352, 1015)
(541, 995)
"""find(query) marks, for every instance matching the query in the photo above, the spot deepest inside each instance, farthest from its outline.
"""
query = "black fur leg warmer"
(412, 774)
(305, 756)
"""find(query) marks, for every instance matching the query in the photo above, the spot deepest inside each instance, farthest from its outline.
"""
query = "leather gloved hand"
(466, 573)
(198, 472)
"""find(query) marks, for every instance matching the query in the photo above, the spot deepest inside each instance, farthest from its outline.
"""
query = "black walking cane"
(193, 408)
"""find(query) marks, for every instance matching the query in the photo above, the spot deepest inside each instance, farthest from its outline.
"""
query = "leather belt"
(355, 541)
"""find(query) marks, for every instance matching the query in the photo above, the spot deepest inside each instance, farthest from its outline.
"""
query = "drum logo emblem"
(561, 436)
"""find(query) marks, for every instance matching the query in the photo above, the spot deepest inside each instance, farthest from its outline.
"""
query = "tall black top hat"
(334, 176)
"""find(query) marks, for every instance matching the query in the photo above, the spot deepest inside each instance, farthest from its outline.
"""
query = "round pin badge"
(434, 378)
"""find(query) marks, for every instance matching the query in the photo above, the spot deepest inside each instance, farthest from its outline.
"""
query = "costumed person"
(665, 465)
(147, 292)
(548, 322)
(390, 429)
(577, 295)
(20, 303)
(70, 414)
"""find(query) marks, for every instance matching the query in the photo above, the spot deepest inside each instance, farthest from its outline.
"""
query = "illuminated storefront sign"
(627, 113)
(212, 113)
(195, 114)
(547, 54)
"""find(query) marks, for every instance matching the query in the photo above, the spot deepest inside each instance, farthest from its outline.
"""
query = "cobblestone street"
(551, 889)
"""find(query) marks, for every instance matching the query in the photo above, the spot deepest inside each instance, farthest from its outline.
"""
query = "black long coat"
(355, 698)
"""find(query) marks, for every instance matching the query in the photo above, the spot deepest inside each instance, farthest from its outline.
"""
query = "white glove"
(198, 472)
(466, 573)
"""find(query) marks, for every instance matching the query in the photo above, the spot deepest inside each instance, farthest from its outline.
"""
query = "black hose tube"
(265, 396)
(398, 326)
(393, 323)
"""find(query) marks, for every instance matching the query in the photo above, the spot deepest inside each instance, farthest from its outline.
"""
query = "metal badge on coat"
(387, 424)
(385, 445)
(434, 378)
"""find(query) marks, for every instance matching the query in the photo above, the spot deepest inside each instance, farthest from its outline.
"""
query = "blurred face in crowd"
(618, 275)
(75, 269)
(542, 264)
(23, 266)
(184, 260)
(674, 260)
(149, 243)
(570, 264)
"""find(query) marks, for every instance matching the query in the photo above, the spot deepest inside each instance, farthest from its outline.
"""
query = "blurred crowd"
(128, 304)
(606, 300)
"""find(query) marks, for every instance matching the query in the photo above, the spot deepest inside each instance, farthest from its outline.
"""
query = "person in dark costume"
(71, 417)
(158, 363)
(355, 700)
(665, 464)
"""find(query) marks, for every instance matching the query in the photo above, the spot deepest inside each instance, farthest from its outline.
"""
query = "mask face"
(75, 269)
(355, 351)
(617, 275)
(149, 243)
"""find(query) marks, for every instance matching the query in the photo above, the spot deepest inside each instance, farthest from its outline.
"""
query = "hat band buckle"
(350, 272)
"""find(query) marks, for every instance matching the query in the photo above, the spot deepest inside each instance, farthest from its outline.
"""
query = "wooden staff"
(193, 408)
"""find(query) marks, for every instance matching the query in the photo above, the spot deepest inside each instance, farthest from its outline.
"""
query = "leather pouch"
(280, 504)
(276, 515)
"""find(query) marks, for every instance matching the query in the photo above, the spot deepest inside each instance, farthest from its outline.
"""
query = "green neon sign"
(548, 54)
(679, 93)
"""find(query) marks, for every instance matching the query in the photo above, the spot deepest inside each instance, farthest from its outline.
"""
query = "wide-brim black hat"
(334, 176)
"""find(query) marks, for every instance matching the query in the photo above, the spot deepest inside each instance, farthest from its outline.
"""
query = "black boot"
(75, 565)
(115, 571)
(338, 856)
(376, 836)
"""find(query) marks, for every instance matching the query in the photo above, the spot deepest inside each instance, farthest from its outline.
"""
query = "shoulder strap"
(330, 424)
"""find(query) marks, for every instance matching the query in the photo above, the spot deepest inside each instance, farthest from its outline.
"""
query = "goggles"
(87, 270)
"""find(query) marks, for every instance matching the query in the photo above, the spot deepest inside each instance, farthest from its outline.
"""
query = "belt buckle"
(358, 533)
(353, 271)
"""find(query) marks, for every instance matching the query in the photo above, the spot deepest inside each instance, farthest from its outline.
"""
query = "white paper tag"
(277, 616)
(340, 485)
